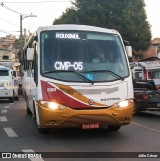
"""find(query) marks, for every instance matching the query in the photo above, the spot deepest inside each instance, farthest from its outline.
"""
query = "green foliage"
(126, 16)
(16, 44)
(158, 48)
(69, 17)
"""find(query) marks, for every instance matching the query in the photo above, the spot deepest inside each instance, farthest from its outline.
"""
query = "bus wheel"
(114, 128)
(137, 110)
(40, 129)
(28, 111)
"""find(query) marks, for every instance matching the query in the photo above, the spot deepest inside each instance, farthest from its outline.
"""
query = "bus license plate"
(90, 126)
(158, 104)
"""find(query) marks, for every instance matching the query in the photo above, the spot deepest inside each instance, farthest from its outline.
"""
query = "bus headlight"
(123, 104)
(52, 105)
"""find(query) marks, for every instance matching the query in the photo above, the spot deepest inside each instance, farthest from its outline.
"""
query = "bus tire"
(28, 111)
(137, 110)
(39, 128)
(114, 128)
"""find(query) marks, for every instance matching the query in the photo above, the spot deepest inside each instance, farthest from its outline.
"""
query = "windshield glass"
(81, 56)
(4, 73)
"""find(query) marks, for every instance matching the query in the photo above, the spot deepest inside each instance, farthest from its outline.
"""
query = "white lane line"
(4, 111)
(10, 132)
(11, 103)
(6, 106)
(146, 127)
(32, 151)
(3, 118)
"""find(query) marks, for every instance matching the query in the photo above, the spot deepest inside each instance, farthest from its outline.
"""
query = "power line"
(38, 1)
(8, 22)
(6, 7)
(9, 32)
(3, 4)
(4, 32)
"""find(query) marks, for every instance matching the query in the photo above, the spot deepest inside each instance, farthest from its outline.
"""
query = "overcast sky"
(47, 10)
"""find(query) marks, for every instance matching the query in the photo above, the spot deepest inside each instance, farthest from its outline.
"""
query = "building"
(7, 51)
(153, 50)
(6, 55)
(7, 42)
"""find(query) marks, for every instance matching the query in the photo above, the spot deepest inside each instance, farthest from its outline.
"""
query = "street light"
(21, 37)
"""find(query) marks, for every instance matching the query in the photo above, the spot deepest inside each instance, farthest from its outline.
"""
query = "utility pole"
(25, 36)
(21, 34)
(21, 38)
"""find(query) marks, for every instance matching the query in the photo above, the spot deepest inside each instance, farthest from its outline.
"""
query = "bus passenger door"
(33, 80)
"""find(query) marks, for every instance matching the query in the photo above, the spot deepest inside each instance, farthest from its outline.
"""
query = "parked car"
(146, 96)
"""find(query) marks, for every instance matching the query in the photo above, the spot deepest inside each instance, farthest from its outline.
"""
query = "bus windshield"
(95, 56)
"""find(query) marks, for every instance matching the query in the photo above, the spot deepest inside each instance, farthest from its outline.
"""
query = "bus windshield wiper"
(108, 71)
(61, 71)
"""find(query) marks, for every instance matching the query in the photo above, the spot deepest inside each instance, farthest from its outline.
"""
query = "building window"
(5, 57)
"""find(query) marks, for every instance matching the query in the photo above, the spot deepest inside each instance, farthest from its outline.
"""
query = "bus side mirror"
(129, 51)
(30, 54)
(128, 48)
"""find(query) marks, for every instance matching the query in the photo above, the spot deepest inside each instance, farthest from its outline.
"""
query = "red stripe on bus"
(44, 90)
(64, 99)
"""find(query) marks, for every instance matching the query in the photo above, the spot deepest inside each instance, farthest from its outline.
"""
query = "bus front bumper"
(77, 118)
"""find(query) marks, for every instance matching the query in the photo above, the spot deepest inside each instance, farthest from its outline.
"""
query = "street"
(18, 133)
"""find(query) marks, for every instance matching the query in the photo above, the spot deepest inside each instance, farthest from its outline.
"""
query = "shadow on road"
(150, 114)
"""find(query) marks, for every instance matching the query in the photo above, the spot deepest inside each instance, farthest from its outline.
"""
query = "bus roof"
(77, 27)
(150, 64)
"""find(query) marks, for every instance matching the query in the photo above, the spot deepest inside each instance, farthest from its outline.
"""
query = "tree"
(16, 44)
(126, 16)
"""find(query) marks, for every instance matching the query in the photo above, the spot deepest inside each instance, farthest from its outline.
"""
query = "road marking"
(4, 111)
(3, 118)
(32, 151)
(6, 106)
(10, 132)
(149, 128)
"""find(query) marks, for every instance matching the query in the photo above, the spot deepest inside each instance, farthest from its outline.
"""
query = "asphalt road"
(18, 133)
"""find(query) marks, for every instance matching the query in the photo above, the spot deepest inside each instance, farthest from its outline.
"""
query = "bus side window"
(35, 66)
(150, 75)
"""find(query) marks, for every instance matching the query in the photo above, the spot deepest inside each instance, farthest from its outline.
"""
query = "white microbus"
(147, 70)
(77, 76)
(9, 84)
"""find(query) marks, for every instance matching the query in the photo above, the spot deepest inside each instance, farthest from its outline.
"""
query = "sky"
(47, 10)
